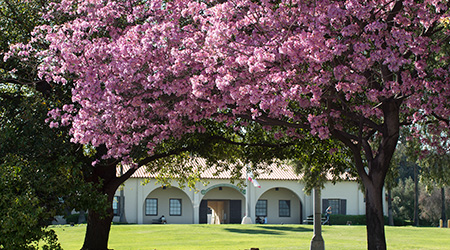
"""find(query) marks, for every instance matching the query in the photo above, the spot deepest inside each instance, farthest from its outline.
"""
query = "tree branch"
(395, 10)
(41, 86)
(265, 120)
(440, 118)
(119, 180)
(268, 145)
(355, 148)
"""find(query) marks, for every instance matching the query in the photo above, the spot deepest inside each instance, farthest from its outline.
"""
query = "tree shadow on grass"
(252, 231)
(288, 228)
(272, 230)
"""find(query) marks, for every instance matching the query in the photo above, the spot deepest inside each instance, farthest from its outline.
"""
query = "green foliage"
(339, 219)
(24, 206)
(320, 161)
(254, 145)
(41, 172)
(403, 200)
(27, 200)
(73, 218)
(435, 169)
(429, 203)
(17, 20)
(405, 157)
(434, 174)
(177, 167)
(398, 222)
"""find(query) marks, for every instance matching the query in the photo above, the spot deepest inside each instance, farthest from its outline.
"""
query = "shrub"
(73, 218)
(339, 219)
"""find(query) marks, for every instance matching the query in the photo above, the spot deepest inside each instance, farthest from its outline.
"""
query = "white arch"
(296, 193)
(296, 209)
(163, 196)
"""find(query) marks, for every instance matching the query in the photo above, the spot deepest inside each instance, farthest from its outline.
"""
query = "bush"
(339, 219)
(73, 218)
(397, 221)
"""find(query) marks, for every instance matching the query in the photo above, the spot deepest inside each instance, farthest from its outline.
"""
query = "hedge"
(73, 218)
(339, 219)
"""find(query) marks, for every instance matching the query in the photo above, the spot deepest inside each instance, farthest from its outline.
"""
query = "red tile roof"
(273, 171)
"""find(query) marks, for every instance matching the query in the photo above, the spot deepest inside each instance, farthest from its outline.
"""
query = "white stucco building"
(280, 200)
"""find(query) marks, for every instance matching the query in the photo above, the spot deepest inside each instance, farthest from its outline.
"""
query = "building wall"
(349, 191)
(225, 193)
(273, 196)
(163, 196)
(294, 187)
(135, 194)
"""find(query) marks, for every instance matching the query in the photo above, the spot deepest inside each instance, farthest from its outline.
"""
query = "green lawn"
(265, 237)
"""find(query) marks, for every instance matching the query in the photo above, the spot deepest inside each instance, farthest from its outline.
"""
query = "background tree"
(318, 161)
(436, 174)
(423, 172)
(40, 163)
(403, 200)
(41, 171)
(431, 205)
(390, 183)
(17, 21)
(411, 149)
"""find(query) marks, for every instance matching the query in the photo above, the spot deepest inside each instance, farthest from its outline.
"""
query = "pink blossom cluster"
(148, 70)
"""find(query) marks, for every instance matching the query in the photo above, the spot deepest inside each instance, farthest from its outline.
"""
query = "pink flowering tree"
(147, 71)
(353, 70)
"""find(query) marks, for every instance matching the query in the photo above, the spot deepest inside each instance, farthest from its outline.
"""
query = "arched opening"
(279, 205)
(171, 202)
(221, 205)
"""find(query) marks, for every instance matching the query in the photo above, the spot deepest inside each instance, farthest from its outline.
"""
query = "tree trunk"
(416, 196)
(443, 217)
(372, 168)
(390, 215)
(104, 174)
(97, 231)
(99, 222)
(376, 239)
(122, 201)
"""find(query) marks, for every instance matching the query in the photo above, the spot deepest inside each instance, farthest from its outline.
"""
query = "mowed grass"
(240, 237)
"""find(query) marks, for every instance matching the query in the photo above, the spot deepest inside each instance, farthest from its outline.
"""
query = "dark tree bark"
(390, 215)
(443, 217)
(416, 196)
(97, 231)
(99, 223)
(374, 173)
(376, 239)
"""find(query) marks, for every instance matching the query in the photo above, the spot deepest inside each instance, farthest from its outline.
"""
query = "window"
(175, 207)
(115, 205)
(284, 208)
(334, 204)
(261, 208)
(338, 206)
(151, 207)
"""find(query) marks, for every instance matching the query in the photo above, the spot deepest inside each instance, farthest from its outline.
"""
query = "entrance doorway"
(220, 212)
